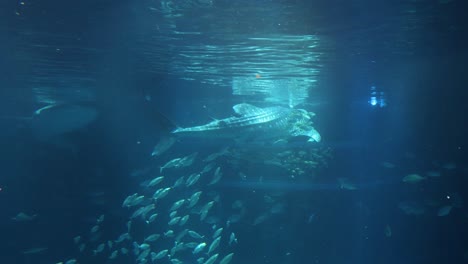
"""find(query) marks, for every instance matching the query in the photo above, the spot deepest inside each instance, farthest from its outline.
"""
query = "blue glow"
(377, 98)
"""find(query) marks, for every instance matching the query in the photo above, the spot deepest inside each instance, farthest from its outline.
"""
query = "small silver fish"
(184, 220)
(199, 248)
(176, 205)
(205, 209)
(232, 239)
(22, 217)
(152, 238)
(444, 210)
(170, 164)
(195, 235)
(217, 176)
(155, 181)
(214, 245)
(212, 259)
(114, 254)
(174, 220)
(217, 232)
(413, 178)
(163, 146)
(193, 200)
(227, 259)
(192, 179)
(161, 254)
(36, 250)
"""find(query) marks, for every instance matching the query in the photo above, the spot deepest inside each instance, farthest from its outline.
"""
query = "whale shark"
(252, 122)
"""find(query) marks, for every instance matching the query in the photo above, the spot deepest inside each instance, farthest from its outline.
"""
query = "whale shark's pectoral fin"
(247, 109)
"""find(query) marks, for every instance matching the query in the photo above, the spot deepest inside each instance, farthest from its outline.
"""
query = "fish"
(254, 122)
(81, 247)
(413, 178)
(195, 235)
(152, 238)
(217, 176)
(161, 193)
(181, 235)
(114, 254)
(388, 165)
(22, 217)
(179, 182)
(173, 163)
(133, 200)
(233, 219)
(143, 246)
(155, 181)
(36, 250)
(207, 168)
(199, 248)
(184, 220)
(193, 200)
(100, 219)
(214, 245)
(77, 239)
(227, 259)
(177, 205)
(163, 145)
(94, 229)
(129, 225)
(172, 214)
(161, 254)
(176, 261)
(169, 233)
(151, 218)
(174, 220)
(211, 260)
(192, 179)
(99, 248)
(142, 211)
(411, 207)
(179, 162)
(214, 156)
(444, 210)
(191, 245)
(178, 246)
(345, 184)
(143, 255)
(123, 237)
(217, 233)
(261, 218)
(232, 239)
(388, 231)
(205, 209)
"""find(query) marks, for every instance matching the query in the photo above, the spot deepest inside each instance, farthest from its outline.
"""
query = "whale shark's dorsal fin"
(246, 109)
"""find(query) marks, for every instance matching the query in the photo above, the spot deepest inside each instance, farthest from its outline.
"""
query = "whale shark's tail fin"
(165, 126)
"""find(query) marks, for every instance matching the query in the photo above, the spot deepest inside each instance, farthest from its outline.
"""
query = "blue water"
(386, 80)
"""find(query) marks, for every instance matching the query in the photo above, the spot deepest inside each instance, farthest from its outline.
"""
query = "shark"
(252, 122)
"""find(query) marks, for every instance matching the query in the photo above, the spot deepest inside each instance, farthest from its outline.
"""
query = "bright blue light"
(377, 98)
